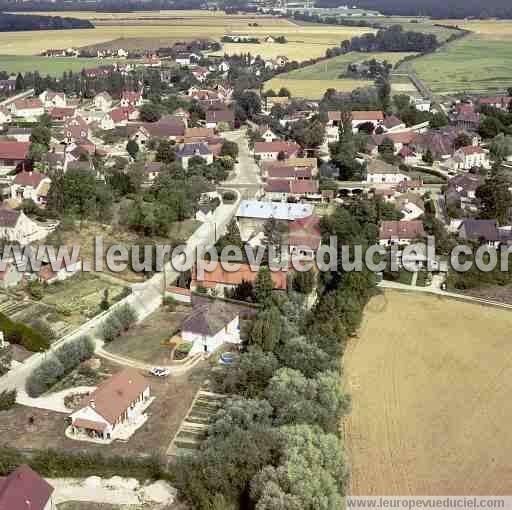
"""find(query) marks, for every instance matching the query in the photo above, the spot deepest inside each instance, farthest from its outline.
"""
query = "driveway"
(53, 401)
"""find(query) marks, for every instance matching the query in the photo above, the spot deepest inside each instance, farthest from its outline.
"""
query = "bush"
(110, 329)
(66, 358)
(184, 348)
(44, 329)
(7, 400)
(21, 334)
(126, 315)
(229, 196)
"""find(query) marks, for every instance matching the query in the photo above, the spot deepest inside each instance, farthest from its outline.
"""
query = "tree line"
(15, 22)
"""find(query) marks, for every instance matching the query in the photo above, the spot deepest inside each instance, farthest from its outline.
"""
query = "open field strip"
(312, 81)
(474, 63)
(430, 380)
(315, 89)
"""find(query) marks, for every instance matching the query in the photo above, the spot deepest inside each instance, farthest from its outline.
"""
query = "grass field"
(51, 66)
(474, 63)
(312, 81)
(430, 380)
(315, 89)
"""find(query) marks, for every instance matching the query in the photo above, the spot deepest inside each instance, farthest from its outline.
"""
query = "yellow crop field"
(491, 30)
(315, 89)
(430, 379)
(166, 27)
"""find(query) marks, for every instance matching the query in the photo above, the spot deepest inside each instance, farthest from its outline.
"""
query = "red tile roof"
(24, 489)
(28, 104)
(17, 151)
(276, 147)
(472, 149)
(62, 113)
(220, 116)
(32, 179)
(300, 187)
(401, 229)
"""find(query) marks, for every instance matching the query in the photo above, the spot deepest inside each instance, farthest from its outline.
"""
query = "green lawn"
(474, 63)
(48, 66)
(145, 341)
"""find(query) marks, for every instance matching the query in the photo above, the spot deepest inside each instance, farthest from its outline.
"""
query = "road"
(246, 176)
(145, 298)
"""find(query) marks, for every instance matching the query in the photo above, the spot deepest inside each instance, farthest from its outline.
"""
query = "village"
(186, 148)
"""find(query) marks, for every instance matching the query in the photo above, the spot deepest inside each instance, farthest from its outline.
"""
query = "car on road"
(160, 372)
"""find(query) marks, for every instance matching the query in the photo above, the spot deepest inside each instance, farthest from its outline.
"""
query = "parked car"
(160, 372)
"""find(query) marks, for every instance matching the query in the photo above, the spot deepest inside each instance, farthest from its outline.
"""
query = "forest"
(15, 22)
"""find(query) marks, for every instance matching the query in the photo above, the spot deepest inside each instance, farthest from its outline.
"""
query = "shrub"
(110, 329)
(229, 196)
(21, 334)
(126, 315)
(44, 376)
(44, 329)
(7, 400)
(184, 347)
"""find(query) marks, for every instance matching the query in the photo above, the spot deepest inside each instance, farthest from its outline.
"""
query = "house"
(131, 98)
(400, 232)
(191, 150)
(52, 99)
(168, 127)
(47, 274)
(392, 123)
(439, 142)
(218, 280)
(7, 86)
(466, 117)
(214, 118)
(10, 277)
(24, 489)
(357, 118)
(283, 189)
(482, 231)
(187, 58)
(152, 61)
(267, 134)
(30, 109)
(421, 104)
(75, 129)
(152, 170)
(253, 214)
(139, 134)
(16, 226)
(198, 134)
(13, 154)
(472, 157)
(499, 102)
(117, 403)
(121, 116)
(461, 191)
(304, 237)
(62, 114)
(380, 172)
(19, 134)
(103, 101)
(266, 151)
(376, 118)
(208, 326)
(400, 140)
(30, 186)
(5, 116)
(200, 73)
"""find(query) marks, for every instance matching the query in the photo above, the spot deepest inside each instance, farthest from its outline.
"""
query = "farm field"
(312, 81)
(48, 66)
(315, 89)
(474, 63)
(167, 27)
(430, 380)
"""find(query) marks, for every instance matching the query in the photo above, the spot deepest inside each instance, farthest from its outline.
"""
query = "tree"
(501, 147)
(265, 332)
(229, 149)
(20, 83)
(462, 140)
(166, 152)
(304, 282)
(281, 156)
(428, 158)
(490, 127)
(438, 120)
(495, 198)
(132, 147)
(5, 360)
(36, 151)
(284, 92)
(387, 149)
(150, 112)
(263, 286)
(41, 135)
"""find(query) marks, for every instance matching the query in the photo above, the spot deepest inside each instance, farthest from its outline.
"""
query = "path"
(433, 290)
(52, 401)
(145, 298)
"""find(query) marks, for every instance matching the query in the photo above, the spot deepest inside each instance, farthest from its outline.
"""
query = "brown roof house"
(24, 489)
(214, 118)
(13, 154)
(400, 232)
(16, 226)
(114, 410)
(210, 325)
(30, 186)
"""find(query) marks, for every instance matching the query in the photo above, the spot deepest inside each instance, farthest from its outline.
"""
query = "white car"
(160, 372)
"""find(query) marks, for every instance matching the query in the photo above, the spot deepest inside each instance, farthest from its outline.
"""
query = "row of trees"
(276, 442)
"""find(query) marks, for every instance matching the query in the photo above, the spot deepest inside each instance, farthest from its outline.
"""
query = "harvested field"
(430, 380)
(315, 89)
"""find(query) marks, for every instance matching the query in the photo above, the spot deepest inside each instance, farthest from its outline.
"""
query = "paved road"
(246, 176)
(145, 298)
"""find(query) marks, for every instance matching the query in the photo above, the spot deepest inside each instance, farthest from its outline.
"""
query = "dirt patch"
(430, 380)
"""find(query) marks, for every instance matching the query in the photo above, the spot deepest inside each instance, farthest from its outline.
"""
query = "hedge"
(65, 359)
(64, 464)
(21, 334)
